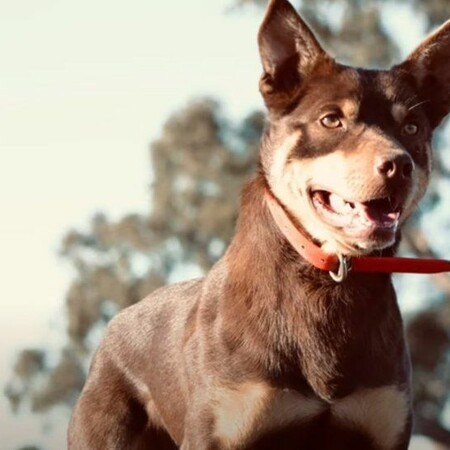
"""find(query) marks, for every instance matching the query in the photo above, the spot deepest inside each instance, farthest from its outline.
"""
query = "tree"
(199, 165)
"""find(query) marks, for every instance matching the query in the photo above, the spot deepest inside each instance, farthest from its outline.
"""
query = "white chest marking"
(381, 413)
(248, 410)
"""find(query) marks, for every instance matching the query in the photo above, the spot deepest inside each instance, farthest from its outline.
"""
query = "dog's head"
(348, 151)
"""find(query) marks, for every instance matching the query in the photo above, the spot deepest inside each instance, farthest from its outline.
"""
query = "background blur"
(126, 132)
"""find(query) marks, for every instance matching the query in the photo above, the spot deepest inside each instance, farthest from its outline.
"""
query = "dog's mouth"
(357, 218)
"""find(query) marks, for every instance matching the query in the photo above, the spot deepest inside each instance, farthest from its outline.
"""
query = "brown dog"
(267, 351)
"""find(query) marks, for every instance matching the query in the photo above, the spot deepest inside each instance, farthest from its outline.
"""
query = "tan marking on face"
(399, 112)
(380, 412)
(336, 172)
(349, 107)
(288, 181)
(280, 157)
(351, 175)
(247, 411)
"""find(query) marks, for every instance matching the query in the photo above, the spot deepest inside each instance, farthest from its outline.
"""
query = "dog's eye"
(331, 121)
(410, 129)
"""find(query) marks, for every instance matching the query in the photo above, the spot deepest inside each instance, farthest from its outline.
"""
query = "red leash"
(339, 265)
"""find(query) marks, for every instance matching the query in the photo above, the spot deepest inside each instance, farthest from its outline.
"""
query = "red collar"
(338, 265)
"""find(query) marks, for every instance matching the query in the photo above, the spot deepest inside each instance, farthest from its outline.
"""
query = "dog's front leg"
(102, 420)
(106, 417)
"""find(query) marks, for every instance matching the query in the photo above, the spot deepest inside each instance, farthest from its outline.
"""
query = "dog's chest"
(245, 413)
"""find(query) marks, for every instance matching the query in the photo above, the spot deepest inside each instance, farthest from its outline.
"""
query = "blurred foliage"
(199, 164)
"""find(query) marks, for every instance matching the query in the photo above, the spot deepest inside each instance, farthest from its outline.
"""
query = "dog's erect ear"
(430, 66)
(288, 49)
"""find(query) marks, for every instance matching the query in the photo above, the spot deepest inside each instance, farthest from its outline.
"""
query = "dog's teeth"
(338, 203)
(349, 206)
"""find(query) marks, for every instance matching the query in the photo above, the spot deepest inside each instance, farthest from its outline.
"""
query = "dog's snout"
(398, 166)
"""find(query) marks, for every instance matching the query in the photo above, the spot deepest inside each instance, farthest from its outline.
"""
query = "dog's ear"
(430, 66)
(288, 49)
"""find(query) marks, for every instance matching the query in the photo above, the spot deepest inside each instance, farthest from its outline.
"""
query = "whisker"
(418, 104)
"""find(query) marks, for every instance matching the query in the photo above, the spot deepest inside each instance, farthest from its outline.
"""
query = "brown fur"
(267, 352)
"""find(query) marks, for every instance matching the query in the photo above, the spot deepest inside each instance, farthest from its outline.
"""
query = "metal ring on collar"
(343, 269)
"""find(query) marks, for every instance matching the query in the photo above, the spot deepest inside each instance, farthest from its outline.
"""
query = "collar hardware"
(342, 272)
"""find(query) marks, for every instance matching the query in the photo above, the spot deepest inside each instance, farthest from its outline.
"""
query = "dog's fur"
(267, 352)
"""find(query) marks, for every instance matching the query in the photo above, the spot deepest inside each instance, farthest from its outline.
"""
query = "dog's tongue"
(377, 214)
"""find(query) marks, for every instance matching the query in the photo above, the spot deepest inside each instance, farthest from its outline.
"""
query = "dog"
(267, 351)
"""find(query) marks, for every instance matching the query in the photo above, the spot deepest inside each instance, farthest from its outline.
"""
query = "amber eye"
(410, 129)
(331, 121)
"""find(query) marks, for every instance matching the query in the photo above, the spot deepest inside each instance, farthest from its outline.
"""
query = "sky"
(84, 88)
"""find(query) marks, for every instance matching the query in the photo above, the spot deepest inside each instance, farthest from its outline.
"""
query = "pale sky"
(83, 83)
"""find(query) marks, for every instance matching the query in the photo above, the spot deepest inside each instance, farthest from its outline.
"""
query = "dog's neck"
(276, 299)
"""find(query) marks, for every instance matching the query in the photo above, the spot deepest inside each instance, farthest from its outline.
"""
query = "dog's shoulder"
(155, 313)
(146, 331)
(164, 314)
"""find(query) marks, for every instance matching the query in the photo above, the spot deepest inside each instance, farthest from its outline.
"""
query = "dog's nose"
(398, 166)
